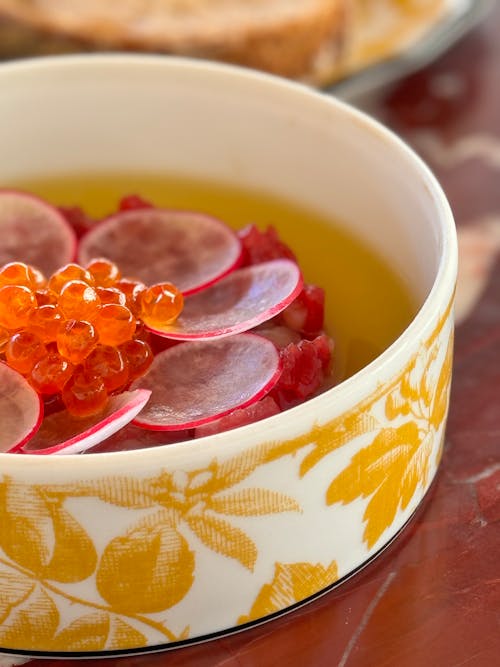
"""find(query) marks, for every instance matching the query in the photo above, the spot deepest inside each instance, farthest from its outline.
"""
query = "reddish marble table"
(433, 598)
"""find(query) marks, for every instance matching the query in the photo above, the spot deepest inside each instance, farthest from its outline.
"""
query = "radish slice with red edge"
(21, 410)
(190, 250)
(240, 301)
(196, 383)
(61, 433)
(34, 232)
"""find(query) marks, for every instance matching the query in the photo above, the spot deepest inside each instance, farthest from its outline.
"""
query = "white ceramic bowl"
(138, 550)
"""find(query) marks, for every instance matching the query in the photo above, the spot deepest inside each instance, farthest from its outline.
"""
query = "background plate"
(462, 17)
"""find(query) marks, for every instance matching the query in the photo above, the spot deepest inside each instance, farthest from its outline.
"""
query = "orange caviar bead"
(39, 280)
(132, 290)
(45, 297)
(19, 273)
(84, 394)
(45, 322)
(77, 300)
(65, 274)
(110, 365)
(76, 340)
(111, 295)
(161, 304)
(142, 333)
(139, 357)
(16, 305)
(50, 374)
(115, 324)
(4, 337)
(23, 350)
(105, 273)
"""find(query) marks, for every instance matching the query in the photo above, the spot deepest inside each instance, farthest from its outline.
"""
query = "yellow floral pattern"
(65, 588)
(397, 460)
(291, 583)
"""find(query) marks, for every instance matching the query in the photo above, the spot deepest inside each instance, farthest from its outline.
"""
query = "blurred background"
(353, 45)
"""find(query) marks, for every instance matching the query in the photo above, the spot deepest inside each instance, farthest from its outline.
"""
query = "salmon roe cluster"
(80, 334)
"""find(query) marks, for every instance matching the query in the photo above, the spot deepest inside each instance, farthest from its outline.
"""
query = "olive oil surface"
(367, 306)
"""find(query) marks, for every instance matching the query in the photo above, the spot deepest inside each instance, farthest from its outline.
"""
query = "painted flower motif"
(396, 459)
(149, 568)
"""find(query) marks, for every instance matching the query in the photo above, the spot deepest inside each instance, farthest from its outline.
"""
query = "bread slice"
(293, 38)
(318, 41)
(382, 29)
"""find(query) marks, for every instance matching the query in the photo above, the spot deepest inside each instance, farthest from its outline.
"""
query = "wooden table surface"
(433, 598)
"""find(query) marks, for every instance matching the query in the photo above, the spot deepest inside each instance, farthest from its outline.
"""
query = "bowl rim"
(341, 394)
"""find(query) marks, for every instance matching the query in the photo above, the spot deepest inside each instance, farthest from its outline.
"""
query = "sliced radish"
(61, 433)
(190, 250)
(195, 383)
(238, 302)
(34, 232)
(21, 410)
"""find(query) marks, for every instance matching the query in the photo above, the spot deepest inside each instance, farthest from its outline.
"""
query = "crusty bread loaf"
(313, 40)
(293, 38)
(384, 28)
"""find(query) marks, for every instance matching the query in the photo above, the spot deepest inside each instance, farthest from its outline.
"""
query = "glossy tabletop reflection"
(433, 597)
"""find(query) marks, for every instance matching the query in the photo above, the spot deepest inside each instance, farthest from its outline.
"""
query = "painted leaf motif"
(32, 619)
(98, 631)
(326, 438)
(382, 508)
(410, 382)
(253, 502)
(439, 451)
(14, 588)
(291, 583)
(87, 633)
(198, 480)
(128, 492)
(124, 636)
(396, 405)
(371, 465)
(39, 534)
(389, 470)
(223, 538)
(425, 386)
(235, 470)
(441, 396)
(26, 528)
(149, 569)
(416, 471)
(338, 433)
(74, 556)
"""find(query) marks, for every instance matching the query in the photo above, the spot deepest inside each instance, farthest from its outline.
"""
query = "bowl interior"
(88, 114)
(95, 113)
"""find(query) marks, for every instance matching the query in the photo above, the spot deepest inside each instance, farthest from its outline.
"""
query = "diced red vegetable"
(305, 366)
(306, 314)
(263, 245)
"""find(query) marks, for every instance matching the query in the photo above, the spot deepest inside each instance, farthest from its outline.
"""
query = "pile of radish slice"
(212, 366)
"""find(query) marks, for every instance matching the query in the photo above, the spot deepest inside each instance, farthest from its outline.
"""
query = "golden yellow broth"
(367, 304)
